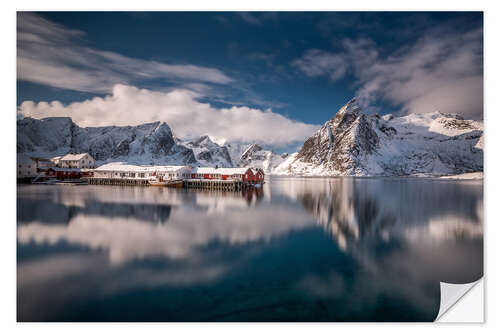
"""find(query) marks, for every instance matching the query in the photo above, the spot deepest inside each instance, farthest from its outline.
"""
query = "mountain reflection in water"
(299, 249)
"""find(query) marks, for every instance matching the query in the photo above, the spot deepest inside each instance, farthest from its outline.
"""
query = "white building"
(125, 171)
(56, 160)
(43, 163)
(26, 167)
(76, 161)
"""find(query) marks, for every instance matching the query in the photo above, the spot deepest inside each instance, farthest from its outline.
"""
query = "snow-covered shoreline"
(464, 176)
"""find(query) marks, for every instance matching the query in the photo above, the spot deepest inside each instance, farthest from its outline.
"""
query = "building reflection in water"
(173, 224)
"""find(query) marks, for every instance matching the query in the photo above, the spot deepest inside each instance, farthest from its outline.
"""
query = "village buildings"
(201, 177)
(119, 170)
(81, 166)
(124, 171)
(80, 161)
(26, 166)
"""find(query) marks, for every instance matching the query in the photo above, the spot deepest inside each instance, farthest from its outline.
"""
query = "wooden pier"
(116, 181)
(217, 185)
(206, 184)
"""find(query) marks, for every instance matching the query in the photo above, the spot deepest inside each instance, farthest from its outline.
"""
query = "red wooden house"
(258, 175)
(64, 173)
(242, 174)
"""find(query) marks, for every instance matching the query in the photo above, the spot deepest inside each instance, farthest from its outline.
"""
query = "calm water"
(296, 250)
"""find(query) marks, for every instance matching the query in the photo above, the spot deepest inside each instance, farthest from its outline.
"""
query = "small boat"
(156, 182)
(177, 183)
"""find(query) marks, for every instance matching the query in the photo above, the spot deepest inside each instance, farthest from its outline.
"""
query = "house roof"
(73, 157)
(222, 171)
(121, 167)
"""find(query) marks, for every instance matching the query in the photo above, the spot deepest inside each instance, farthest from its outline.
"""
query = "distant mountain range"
(351, 143)
(152, 143)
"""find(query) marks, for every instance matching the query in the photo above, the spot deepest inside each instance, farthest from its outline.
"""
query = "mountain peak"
(351, 107)
(345, 116)
(203, 140)
(163, 128)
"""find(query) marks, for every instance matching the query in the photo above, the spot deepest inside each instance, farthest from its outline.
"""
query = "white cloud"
(52, 54)
(317, 63)
(187, 116)
(441, 71)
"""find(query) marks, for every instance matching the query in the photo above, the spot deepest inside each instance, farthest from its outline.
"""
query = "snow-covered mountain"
(152, 143)
(209, 153)
(354, 143)
(257, 157)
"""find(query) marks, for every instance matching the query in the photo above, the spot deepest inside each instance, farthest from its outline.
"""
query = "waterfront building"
(78, 161)
(26, 167)
(125, 171)
(240, 174)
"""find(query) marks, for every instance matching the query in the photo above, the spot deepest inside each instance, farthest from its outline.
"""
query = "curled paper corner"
(451, 294)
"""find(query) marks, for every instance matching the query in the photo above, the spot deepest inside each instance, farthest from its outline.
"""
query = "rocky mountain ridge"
(151, 143)
(146, 143)
(356, 144)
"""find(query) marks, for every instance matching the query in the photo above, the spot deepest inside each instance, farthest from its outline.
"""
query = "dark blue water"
(296, 250)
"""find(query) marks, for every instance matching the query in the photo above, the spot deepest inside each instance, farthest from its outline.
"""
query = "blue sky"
(297, 69)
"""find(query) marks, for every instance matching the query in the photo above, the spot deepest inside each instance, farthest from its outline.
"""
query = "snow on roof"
(221, 171)
(24, 159)
(73, 157)
(119, 166)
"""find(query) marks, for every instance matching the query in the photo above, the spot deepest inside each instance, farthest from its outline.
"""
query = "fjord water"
(298, 249)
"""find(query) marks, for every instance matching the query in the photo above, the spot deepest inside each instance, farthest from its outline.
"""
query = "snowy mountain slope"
(145, 144)
(257, 157)
(235, 149)
(152, 143)
(209, 153)
(48, 135)
(353, 143)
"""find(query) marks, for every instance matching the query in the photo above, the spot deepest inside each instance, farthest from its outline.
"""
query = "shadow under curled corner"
(453, 294)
